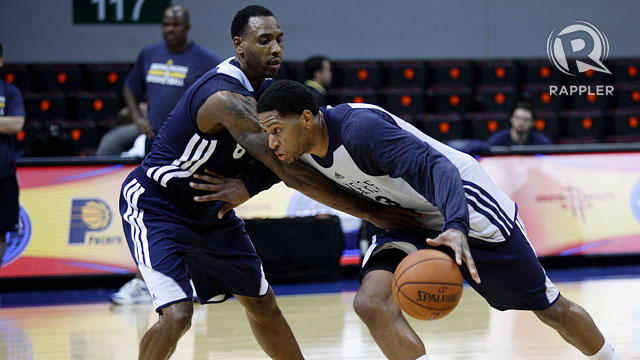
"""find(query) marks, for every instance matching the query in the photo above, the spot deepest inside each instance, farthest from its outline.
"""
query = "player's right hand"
(220, 188)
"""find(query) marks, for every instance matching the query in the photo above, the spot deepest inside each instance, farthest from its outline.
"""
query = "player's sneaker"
(133, 292)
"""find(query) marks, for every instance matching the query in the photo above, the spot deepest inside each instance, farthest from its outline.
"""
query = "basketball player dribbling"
(186, 248)
(375, 154)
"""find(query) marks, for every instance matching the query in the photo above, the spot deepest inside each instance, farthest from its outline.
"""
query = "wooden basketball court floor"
(326, 328)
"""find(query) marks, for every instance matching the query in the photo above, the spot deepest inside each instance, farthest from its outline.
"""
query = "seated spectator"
(521, 132)
(318, 77)
(120, 139)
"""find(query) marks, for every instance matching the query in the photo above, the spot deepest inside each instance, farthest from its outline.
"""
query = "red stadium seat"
(497, 72)
(486, 124)
(65, 78)
(588, 101)
(443, 127)
(18, 75)
(547, 122)
(626, 70)
(83, 135)
(496, 97)
(627, 94)
(108, 77)
(448, 98)
(358, 74)
(407, 74)
(402, 100)
(96, 105)
(541, 72)
(451, 73)
(368, 96)
(541, 99)
(626, 121)
(584, 125)
(45, 106)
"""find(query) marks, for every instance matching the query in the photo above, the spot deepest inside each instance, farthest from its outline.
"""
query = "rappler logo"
(577, 48)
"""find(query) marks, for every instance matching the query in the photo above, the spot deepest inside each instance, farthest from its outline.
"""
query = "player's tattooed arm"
(237, 114)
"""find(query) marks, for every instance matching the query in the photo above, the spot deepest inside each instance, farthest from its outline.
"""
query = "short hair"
(240, 21)
(313, 65)
(287, 97)
(1, 49)
(179, 9)
(523, 104)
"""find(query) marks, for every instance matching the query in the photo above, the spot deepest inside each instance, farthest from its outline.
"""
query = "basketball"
(427, 284)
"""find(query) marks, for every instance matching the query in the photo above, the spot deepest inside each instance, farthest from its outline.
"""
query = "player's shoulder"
(359, 123)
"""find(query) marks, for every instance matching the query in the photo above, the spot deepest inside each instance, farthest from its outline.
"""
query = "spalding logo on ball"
(427, 284)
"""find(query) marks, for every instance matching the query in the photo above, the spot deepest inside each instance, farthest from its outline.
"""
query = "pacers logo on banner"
(87, 215)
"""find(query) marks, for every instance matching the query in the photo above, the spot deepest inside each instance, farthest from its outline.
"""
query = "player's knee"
(264, 307)
(368, 308)
(556, 314)
(178, 316)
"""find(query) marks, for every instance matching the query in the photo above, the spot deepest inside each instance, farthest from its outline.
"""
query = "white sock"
(607, 352)
(423, 357)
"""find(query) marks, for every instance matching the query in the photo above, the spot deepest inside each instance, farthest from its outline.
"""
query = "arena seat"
(402, 100)
(625, 70)
(584, 125)
(442, 98)
(45, 106)
(83, 135)
(626, 121)
(451, 72)
(496, 97)
(358, 74)
(406, 74)
(108, 77)
(540, 71)
(547, 122)
(347, 95)
(18, 75)
(64, 78)
(485, 124)
(96, 105)
(497, 72)
(442, 127)
(541, 99)
(627, 94)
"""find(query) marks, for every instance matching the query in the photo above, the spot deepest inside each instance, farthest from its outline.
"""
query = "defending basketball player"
(375, 154)
(186, 249)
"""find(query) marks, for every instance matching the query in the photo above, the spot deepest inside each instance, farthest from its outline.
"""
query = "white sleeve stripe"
(489, 199)
(489, 205)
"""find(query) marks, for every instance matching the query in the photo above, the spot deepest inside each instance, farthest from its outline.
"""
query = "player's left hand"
(457, 240)
(220, 188)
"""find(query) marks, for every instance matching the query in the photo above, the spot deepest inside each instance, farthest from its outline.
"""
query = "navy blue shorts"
(184, 254)
(511, 275)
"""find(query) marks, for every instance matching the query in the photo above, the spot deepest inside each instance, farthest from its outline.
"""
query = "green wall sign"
(119, 11)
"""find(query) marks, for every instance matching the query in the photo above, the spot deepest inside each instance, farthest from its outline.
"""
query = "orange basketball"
(427, 284)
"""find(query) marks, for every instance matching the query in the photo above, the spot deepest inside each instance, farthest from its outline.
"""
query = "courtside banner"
(574, 204)
(570, 204)
(69, 222)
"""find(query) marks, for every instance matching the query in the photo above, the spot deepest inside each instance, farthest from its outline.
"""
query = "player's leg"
(375, 305)
(512, 278)
(159, 342)
(270, 327)
(574, 324)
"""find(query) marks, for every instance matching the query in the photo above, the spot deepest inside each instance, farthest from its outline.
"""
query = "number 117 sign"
(119, 11)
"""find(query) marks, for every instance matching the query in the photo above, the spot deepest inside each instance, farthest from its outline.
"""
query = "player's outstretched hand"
(387, 217)
(230, 190)
(457, 240)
